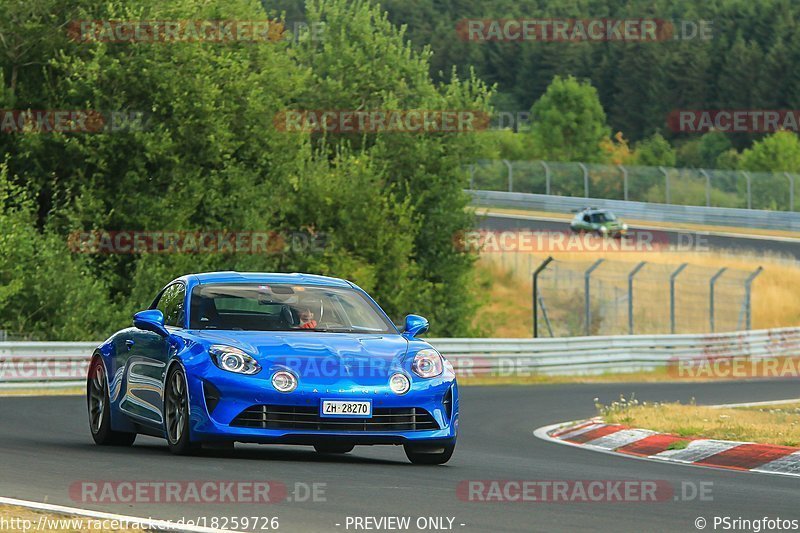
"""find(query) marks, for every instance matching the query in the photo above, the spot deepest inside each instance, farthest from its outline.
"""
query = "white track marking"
(620, 438)
(784, 465)
(697, 450)
(146, 523)
(756, 404)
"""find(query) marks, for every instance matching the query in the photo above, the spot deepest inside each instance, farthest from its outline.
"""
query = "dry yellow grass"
(779, 425)
(13, 518)
(68, 391)
(507, 311)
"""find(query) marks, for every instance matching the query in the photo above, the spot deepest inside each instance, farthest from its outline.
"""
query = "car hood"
(328, 356)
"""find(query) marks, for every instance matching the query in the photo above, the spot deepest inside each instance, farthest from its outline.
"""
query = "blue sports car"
(230, 357)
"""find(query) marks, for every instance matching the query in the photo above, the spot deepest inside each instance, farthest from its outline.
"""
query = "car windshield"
(284, 307)
(601, 217)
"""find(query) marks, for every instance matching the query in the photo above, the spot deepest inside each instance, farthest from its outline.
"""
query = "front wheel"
(99, 406)
(176, 413)
(437, 454)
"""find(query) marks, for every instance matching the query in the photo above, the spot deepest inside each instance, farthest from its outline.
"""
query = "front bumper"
(218, 397)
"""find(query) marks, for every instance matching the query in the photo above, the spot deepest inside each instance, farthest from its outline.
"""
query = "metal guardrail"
(613, 354)
(44, 364)
(61, 364)
(712, 216)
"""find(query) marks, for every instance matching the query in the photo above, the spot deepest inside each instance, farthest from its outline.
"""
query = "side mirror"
(151, 320)
(415, 325)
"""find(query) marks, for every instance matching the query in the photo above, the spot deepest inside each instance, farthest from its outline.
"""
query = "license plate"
(345, 408)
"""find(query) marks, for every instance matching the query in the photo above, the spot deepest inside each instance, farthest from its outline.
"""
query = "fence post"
(711, 286)
(708, 186)
(749, 192)
(510, 175)
(791, 190)
(472, 177)
(536, 273)
(587, 294)
(747, 289)
(666, 184)
(585, 180)
(633, 272)
(546, 178)
(624, 181)
(672, 296)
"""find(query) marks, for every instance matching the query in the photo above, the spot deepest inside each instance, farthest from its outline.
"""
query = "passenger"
(307, 319)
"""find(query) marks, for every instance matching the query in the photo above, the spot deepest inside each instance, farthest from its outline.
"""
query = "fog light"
(284, 381)
(399, 384)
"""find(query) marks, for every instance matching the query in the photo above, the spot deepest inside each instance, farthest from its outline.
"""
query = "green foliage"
(654, 151)
(750, 59)
(569, 123)
(777, 152)
(210, 158)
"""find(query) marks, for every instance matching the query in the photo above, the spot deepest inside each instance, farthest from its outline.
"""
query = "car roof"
(593, 210)
(267, 277)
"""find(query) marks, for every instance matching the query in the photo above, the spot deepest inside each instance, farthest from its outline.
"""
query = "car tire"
(430, 454)
(176, 413)
(333, 448)
(99, 407)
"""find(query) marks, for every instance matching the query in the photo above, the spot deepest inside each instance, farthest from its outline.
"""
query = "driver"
(307, 319)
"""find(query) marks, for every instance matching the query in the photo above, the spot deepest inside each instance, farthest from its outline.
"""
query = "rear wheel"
(334, 448)
(427, 454)
(176, 413)
(99, 406)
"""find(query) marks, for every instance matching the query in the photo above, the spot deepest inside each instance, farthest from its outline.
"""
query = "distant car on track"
(300, 359)
(600, 221)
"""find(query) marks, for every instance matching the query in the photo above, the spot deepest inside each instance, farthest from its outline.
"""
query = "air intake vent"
(212, 396)
(307, 417)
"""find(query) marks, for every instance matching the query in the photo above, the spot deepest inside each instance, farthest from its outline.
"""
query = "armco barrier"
(711, 216)
(43, 364)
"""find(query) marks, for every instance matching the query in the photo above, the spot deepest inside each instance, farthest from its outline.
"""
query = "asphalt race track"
(45, 447)
(737, 243)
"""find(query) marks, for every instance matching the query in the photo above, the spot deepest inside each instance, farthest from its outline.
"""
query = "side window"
(586, 218)
(161, 305)
(177, 313)
(171, 304)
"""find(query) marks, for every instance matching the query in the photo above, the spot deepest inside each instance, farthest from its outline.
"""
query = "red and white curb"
(596, 435)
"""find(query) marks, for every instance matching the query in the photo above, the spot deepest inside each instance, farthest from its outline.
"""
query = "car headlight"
(399, 383)
(233, 360)
(284, 381)
(427, 364)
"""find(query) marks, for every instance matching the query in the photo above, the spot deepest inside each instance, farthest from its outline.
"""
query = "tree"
(654, 151)
(767, 160)
(779, 152)
(209, 157)
(569, 123)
